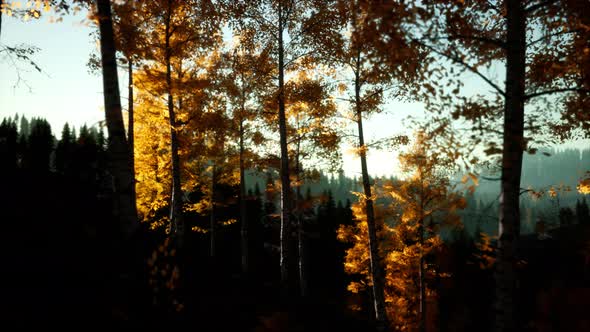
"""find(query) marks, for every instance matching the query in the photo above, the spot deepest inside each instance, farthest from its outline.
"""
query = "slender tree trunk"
(376, 269)
(421, 271)
(243, 212)
(421, 275)
(300, 231)
(176, 218)
(130, 123)
(212, 224)
(285, 182)
(120, 165)
(513, 147)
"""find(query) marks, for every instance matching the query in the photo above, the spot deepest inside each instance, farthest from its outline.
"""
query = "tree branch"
(553, 35)
(539, 5)
(492, 41)
(548, 92)
(464, 64)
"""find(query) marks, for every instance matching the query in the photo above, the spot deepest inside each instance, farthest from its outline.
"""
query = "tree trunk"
(212, 225)
(285, 182)
(120, 165)
(130, 123)
(513, 147)
(376, 269)
(421, 275)
(421, 272)
(176, 219)
(243, 212)
(300, 231)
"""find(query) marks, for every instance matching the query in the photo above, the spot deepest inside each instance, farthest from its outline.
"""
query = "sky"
(67, 92)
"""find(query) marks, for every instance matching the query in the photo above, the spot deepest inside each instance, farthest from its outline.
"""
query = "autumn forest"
(213, 194)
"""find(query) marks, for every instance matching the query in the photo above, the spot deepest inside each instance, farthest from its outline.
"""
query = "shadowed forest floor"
(61, 267)
(61, 262)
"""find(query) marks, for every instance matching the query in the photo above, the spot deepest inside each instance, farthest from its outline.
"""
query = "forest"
(213, 195)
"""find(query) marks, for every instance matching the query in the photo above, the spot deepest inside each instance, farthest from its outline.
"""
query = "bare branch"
(539, 5)
(545, 37)
(464, 64)
(548, 92)
(492, 41)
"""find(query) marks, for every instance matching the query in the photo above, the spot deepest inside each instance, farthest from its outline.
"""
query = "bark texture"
(176, 218)
(513, 147)
(285, 181)
(375, 260)
(243, 211)
(130, 123)
(119, 161)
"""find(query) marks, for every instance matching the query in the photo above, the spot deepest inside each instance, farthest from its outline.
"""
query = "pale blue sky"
(66, 92)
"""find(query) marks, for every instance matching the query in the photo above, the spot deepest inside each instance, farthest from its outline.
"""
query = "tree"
(8, 146)
(246, 80)
(314, 133)
(411, 214)
(289, 29)
(540, 45)
(64, 151)
(353, 48)
(118, 147)
(130, 42)
(40, 146)
(428, 202)
(152, 159)
(173, 25)
(582, 214)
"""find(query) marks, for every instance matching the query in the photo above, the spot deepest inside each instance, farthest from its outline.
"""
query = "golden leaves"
(485, 255)
(583, 186)
(358, 151)
(398, 245)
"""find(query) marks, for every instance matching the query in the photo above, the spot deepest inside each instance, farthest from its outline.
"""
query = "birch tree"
(118, 147)
(246, 80)
(288, 29)
(539, 46)
(370, 80)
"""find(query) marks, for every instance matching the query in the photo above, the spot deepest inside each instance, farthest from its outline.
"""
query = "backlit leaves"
(584, 184)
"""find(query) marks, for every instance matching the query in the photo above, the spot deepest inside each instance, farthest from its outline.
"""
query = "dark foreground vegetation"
(65, 264)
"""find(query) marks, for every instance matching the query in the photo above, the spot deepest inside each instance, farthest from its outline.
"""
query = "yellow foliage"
(423, 202)
(199, 230)
(229, 222)
(584, 185)
(486, 252)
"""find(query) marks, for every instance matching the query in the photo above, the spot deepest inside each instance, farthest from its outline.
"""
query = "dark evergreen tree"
(64, 151)
(566, 216)
(582, 213)
(8, 146)
(40, 146)
(24, 129)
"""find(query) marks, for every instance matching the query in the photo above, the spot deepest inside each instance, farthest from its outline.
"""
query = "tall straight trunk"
(285, 182)
(300, 232)
(422, 277)
(212, 223)
(421, 271)
(243, 212)
(376, 269)
(130, 122)
(176, 219)
(119, 163)
(513, 147)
